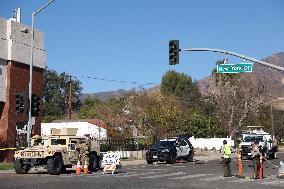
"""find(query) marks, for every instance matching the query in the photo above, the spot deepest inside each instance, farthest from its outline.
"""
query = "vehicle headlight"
(166, 150)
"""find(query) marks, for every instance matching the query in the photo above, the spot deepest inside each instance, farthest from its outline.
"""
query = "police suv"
(170, 150)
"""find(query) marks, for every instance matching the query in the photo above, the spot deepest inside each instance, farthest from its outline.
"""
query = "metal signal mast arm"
(236, 55)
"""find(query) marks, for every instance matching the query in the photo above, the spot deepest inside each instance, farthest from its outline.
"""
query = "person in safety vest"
(226, 152)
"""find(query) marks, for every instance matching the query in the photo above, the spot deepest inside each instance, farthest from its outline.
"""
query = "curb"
(10, 171)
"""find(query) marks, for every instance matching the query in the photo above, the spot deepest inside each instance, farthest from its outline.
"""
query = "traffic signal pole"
(236, 55)
(29, 129)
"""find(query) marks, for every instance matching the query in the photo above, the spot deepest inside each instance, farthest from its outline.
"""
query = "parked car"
(170, 150)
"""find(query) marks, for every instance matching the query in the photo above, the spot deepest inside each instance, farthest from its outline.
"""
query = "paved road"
(199, 174)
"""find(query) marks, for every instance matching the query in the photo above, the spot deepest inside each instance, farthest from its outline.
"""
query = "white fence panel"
(210, 143)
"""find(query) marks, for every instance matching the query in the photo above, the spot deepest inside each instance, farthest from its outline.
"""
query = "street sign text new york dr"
(234, 68)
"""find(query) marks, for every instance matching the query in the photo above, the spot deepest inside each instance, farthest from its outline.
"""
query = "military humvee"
(61, 150)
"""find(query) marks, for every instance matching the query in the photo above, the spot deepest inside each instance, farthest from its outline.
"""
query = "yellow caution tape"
(2, 149)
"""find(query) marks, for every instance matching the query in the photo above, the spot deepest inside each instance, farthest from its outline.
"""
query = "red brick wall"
(17, 82)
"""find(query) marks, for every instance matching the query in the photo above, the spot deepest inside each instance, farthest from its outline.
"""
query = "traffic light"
(20, 104)
(35, 105)
(173, 52)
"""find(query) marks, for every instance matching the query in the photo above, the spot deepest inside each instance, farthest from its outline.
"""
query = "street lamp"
(31, 72)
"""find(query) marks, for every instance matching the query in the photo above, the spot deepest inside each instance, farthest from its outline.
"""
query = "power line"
(113, 80)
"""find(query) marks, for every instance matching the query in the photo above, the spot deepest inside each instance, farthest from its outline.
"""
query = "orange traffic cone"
(260, 168)
(78, 168)
(240, 166)
(86, 167)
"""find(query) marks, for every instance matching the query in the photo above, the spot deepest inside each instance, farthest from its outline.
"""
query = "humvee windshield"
(55, 141)
(42, 142)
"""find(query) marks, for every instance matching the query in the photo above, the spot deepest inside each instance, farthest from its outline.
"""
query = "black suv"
(162, 150)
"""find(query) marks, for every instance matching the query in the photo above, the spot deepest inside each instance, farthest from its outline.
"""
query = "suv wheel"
(149, 162)
(55, 165)
(21, 168)
(172, 160)
(190, 157)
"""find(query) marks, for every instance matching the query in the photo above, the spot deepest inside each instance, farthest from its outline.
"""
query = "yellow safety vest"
(227, 151)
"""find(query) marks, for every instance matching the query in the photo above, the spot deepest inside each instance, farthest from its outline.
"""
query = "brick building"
(15, 39)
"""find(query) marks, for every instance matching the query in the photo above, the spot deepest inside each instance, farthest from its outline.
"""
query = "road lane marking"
(276, 182)
(135, 175)
(214, 178)
(178, 166)
(191, 176)
(241, 180)
(165, 175)
(147, 169)
(67, 175)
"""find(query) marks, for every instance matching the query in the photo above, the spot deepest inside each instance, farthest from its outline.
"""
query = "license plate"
(155, 157)
(249, 154)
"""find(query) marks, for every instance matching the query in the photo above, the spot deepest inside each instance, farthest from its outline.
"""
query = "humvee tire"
(55, 165)
(21, 168)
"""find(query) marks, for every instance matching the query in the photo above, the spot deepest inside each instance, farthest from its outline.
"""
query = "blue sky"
(128, 40)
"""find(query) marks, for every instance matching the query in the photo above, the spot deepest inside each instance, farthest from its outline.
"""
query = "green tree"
(91, 109)
(181, 85)
(55, 95)
(197, 116)
(111, 112)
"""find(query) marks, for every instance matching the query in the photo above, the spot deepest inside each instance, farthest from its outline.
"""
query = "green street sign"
(234, 68)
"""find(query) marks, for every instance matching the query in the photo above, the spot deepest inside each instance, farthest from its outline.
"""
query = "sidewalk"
(7, 172)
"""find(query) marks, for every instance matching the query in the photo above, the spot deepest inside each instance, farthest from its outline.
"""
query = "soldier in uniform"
(226, 152)
(255, 154)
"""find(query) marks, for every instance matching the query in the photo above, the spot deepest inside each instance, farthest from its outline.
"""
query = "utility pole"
(70, 97)
(271, 119)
